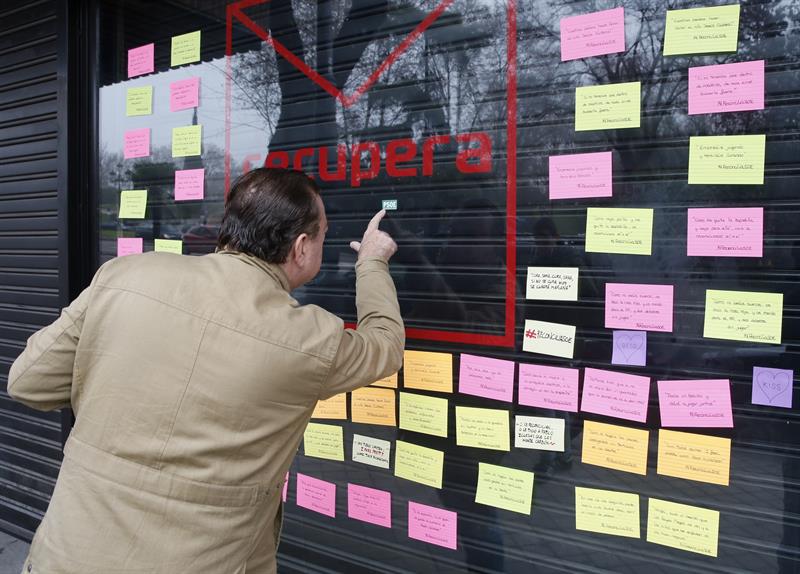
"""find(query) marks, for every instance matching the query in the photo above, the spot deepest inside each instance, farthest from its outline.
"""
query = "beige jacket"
(192, 381)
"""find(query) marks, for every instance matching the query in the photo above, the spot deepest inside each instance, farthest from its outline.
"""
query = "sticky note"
(185, 49)
(136, 144)
(485, 377)
(432, 525)
(619, 230)
(539, 433)
(371, 451)
(694, 456)
(132, 203)
(139, 101)
(713, 30)
(317, 495)
(726, 88)
(548, 387)
(140, 60)
(189, 184)
(701, 403)
(482, 428)
(684, 527)
(772, 387)
(731, 160)
(184, 94)
(580, 175)
(615, 447)
(387, 382)
(373, 406)
(607, 512)
(552, 283)
(606, 107)
(420, 413)
(629, 348)
(129, 246)
(324, 441)
(418, 464)
(369, 505)
(615, 394)
(187, 141)
(743, 316)
(285, 490)
(593, 34)
(725, 232)
(428, 371)
(503, 487)
(549, 338)
(638, 306)
(332, 408)
(169, 246)
(389, 204)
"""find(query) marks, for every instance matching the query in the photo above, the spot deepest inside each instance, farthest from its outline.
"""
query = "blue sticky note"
(630, 348)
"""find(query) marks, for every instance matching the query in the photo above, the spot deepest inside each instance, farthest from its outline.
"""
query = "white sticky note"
(549, 338)
(540, 433)
(372, 451)
(552, 283)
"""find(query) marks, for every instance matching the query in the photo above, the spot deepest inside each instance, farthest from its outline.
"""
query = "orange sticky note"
(428, 371)
(373, 406)
(617, 447)
(694, 456)
(389, 382)
(333, 408)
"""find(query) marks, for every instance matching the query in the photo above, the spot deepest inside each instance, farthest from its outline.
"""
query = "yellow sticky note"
(684, 527)
(169, 246)
(607, 107)
(418, 463)
(607, 512)
(702, 30)
(503, 487)
(619, 230)
(187, 141)
(139, 101)
(373, 406)
(388, 382)
(482, 428)
(132, 204)
(324, 441)
(332, 408)
(185, 49)
(428, 371)
(420, 413)
(614, 446)
(743, 316)
(694, 456)
(733, 160)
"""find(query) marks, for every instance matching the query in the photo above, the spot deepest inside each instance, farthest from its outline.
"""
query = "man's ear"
(299, 248)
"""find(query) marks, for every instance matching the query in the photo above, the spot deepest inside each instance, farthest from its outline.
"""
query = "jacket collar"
(271, 269)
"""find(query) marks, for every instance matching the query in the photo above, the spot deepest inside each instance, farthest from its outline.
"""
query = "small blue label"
(389, 204)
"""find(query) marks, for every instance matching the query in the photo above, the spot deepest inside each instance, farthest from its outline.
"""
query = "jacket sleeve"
(375, 349)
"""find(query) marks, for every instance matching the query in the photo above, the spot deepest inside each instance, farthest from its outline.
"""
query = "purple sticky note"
(701, 403)
(485, 377)
(370, 505)
(726, 88)
(548, 387)
(285, 491)
(317, 495)
(140, 60)
(580, 175)
(137, 143)
(184, 94)
(593, 34)
(129, 246)
(639, 307)
(725, 232)
(630, 348)
(615, 394)
(432, 525)
(189, 184)
(772, 387)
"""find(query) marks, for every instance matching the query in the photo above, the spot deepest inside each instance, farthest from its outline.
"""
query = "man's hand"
(375, 243)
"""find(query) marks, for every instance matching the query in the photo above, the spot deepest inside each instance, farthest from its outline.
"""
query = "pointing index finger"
(376, 220)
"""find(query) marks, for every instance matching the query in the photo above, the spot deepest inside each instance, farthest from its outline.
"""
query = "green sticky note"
(169, 246)
(743, 316)
(139, 101)
(607, 512)
(734, 160)
(421, 413)
(419, 464)
(185, 49)
(607, 107)
(702, 30)
(187, 140)
(324, 441)
(503, 487)
(619, 230)
(482, 428)
(132, 204)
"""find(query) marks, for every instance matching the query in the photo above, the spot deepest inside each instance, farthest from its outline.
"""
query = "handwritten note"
(548, 387)
(540, 433)
(731, 160)
(552, 283)
(371, 451)
(726, 88)
(137, 143)
(593, 34)
(139, 101)
(638, 306)
(132, 204)
(184, 94)
(702, 30)
(482, 428)
(187, 141)
(702, 403)
(619, 230)
(129, 246)
(615, 394)
(389, 382)
(615, 447)
(174, 246)
(485, 377)
(432, 525)
(189, 184)
(503, 487)
(140, 60)
(549, 338)
(185, 49)
(373, 406)
(684, 527)
(580, 175)
(428, 371)
(369, 505)
(324, 441)
(772, 387)
(725, 232)
(694, 456)
(332, 408)
(418, 464)
(630, 348)
(423, 414)
(743, 316)
(607, 512)
(606, 107)
(317, 495)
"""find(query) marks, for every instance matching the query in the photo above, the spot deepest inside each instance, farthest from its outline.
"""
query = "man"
(192, 380)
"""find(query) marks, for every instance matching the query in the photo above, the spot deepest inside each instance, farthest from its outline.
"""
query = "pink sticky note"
(285, 487)
(725, 232)
(580, 175)
(140, 60)
(772, 387)
(548, 387)
(703, 403)
(615, 394)
(639, 307)
(726, 88)
(593, 34)
(137, 143)
(184, 94)
(317, 495)
(129, 246)
(370, 505)
(432, 525)
(485, 377)
(189, 184)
